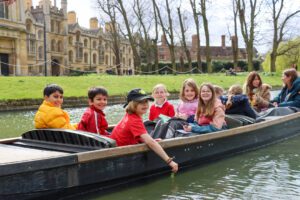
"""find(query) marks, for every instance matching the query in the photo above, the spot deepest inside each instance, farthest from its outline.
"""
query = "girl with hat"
(131, 130)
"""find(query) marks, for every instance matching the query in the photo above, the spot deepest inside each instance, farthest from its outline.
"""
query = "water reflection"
(268, 173)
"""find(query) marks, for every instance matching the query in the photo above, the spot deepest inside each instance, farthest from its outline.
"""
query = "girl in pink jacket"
(210, 115)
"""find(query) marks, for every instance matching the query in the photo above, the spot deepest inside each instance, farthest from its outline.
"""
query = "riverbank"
(25, 93)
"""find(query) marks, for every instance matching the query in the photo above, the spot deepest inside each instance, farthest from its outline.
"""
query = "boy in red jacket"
(93, 119)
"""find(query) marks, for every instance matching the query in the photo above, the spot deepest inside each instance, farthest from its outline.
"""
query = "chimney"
(194, 41)
(94, 23)
(223, 41)
(163, 40)
(72, 17)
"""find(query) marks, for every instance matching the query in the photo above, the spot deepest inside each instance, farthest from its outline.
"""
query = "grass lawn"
(77, 86)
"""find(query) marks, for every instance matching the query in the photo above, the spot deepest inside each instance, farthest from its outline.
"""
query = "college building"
(47, 40)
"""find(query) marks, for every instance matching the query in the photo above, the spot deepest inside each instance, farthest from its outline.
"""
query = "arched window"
(71, 56)
(94, 44)
(59, 46)
(53, 45)
(86, 57)
(41, 49)
(94, 58)
(85, 43)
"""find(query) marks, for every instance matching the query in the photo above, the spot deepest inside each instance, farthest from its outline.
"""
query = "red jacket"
(166, 109)
(88, 122)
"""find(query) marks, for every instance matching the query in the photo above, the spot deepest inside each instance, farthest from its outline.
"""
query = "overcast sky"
(219, 21)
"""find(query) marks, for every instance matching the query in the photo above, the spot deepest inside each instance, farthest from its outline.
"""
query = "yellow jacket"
(49, 116)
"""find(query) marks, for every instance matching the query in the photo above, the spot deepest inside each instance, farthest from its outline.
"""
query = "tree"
(196, 20)
(206, 31)
(133, 44)
(167, 31)
(146, 43)
(278, 29)
(186, 50)
(248, 30)
(234, 39)
(108, 7)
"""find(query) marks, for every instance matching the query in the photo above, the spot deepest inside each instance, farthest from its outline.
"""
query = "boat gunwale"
(180, 141)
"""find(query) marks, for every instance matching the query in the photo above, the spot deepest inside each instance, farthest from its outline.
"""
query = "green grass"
(32, 87)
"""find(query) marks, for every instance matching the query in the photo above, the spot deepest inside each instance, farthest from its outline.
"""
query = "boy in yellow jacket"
(50, 114)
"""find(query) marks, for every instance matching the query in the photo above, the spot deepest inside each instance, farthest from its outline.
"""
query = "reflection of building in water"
(68, 46)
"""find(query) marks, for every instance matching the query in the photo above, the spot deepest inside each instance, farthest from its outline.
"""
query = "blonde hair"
(218, 90)
(233, 90)
(206, 109)
(160, 85)
(191, 83)
(131, 107)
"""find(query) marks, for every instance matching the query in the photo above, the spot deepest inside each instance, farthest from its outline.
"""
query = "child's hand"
(187, 128)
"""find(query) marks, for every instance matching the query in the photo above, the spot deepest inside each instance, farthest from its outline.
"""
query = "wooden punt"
(32, 169)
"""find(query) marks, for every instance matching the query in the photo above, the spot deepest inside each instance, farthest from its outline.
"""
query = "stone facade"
(25, 31)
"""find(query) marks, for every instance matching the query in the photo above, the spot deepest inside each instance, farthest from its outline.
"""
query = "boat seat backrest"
(234, 121)
(69, 137)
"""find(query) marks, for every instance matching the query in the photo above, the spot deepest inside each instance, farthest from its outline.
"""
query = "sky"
(218, 21)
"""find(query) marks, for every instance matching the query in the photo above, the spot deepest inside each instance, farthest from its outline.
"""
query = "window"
(85, 43)
(40, 34)
(41, 52)
(53, 44)
(71, 56)
(70, 40)
(58, 27)
(3, 10)
(59, 46)
(30, 45)
(52, 26)
(94, 58)
(94, 44)
(77, 36)
(86, 57)
(106, 59)
(101, 57)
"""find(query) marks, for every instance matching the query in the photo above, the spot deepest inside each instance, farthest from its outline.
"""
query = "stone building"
(26, 30)
(221, 52)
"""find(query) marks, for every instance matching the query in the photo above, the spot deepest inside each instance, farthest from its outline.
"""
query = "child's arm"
(171, 111)
(82, 126)
(218, 118)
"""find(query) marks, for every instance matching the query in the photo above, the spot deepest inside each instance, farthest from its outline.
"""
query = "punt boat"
(56, 163)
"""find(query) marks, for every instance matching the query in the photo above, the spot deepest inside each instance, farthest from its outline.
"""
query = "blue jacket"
(289, 97)
(240, 106)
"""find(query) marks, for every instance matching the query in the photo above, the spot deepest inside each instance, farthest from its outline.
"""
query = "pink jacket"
(218, 119)
(187, 107)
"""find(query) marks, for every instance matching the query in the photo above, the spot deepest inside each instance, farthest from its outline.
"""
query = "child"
(219, 91)
(237, 103)
(50, 114)
(131, 130)
(188, 105)
(93, 120)
(161, 104)
(210, 114)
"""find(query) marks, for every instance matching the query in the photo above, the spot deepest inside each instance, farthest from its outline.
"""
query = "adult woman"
(257, 92)
(290, 93)
(131, 130)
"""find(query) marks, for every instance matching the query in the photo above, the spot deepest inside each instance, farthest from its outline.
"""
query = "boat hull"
(117, 166)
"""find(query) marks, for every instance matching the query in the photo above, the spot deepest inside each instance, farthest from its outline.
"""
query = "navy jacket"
(240, 106)
(289, 97)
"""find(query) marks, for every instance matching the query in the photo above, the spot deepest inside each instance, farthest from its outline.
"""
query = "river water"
(271, 173)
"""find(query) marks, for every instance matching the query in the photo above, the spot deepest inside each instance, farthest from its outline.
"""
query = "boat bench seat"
(65, 140)
(234, 121)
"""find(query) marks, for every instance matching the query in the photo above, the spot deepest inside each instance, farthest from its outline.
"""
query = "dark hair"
(94, 91)
(51, 88)
(291, 73)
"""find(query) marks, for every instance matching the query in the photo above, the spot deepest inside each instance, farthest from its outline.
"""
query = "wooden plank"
(13, 154)
(126, 150)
